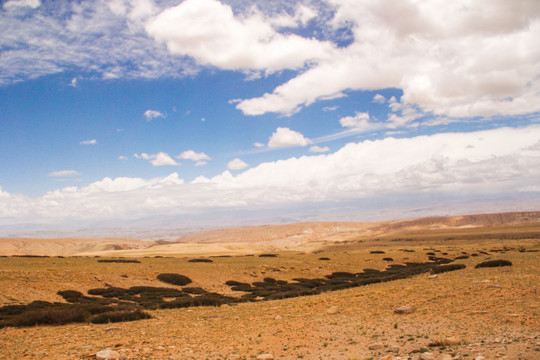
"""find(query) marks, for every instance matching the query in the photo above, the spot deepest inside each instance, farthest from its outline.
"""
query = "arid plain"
(467, 313)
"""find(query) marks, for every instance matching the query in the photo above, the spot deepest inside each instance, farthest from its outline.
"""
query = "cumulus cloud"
(258, 144)
(89, 142)
(159, 159)
(379, 99)
(192, 155)
(211, 33)
(319, 149)
(286, 137)
(153, 114)
(432, 165)
(64, 173)
(236, 164)
(451, 59)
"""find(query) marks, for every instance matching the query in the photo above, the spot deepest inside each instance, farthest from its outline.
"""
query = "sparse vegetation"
(174, 279)
(200, 260)
(120, 261)
(493, 263)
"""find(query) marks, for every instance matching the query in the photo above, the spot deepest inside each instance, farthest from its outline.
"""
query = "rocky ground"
(489, 313)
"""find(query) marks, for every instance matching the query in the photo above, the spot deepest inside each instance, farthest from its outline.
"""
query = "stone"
(479, 357)
(433, 276)
(278, 317)
(111, 328)
(332, 310)
(107, 354)
(265, 357)
(376, 346)
(403, 309)
(446, 341)
(427, 356)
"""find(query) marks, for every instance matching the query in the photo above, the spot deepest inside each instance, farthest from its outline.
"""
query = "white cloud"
(64, 173)
(159, 159)
(89, 142)
(11, 4)
(446, 164)
(192, 155)
(84, 36)
(73, 82)
(457, 58)
(379, 99)
(286, 137)
(123, 157)
(330, 108)
(153, 114)
(319, 149)
(211, 33)
(360, 121)
(236, 164)
(258, 144)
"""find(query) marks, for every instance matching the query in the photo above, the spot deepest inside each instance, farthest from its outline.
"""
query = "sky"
(165, 113)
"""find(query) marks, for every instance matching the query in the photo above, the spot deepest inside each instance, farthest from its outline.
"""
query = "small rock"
(480, 357)
(265, 357)
(332, 310)
(403, 310)
(478, 312)
(433, 276)
(394, 348)
(278, 317)
(111, 328)
(376, 346)
(427, 356)
(447, 341)
(107, 354)
(494, 286)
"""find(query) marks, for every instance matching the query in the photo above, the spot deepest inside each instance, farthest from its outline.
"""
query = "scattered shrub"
(462, 257)
(200, 260)
(267, 255)
(193, 290)
(388, 259)
(119, 316)
(174, 279)
(493, 263)
(377, 252)
(445, 268)
(121, 261)
(324, 258)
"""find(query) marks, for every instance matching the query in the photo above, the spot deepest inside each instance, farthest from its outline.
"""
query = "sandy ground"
(492, 312)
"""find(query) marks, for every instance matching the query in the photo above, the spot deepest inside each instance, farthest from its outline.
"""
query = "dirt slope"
(64, 247)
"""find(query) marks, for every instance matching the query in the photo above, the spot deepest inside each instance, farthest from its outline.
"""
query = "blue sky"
(130, 110)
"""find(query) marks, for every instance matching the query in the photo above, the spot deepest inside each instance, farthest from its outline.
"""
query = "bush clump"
(267, 255)
(174, 279)
(324, 258)
(119, 316)
(377, 252)
(493, 263)
(120, 261)
(200, 261)
(445, 268)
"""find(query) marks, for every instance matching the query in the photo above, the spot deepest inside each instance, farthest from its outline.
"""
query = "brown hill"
(301, 237)
(67, 247)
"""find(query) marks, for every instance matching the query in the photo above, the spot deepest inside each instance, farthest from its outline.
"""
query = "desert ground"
(467, 313)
